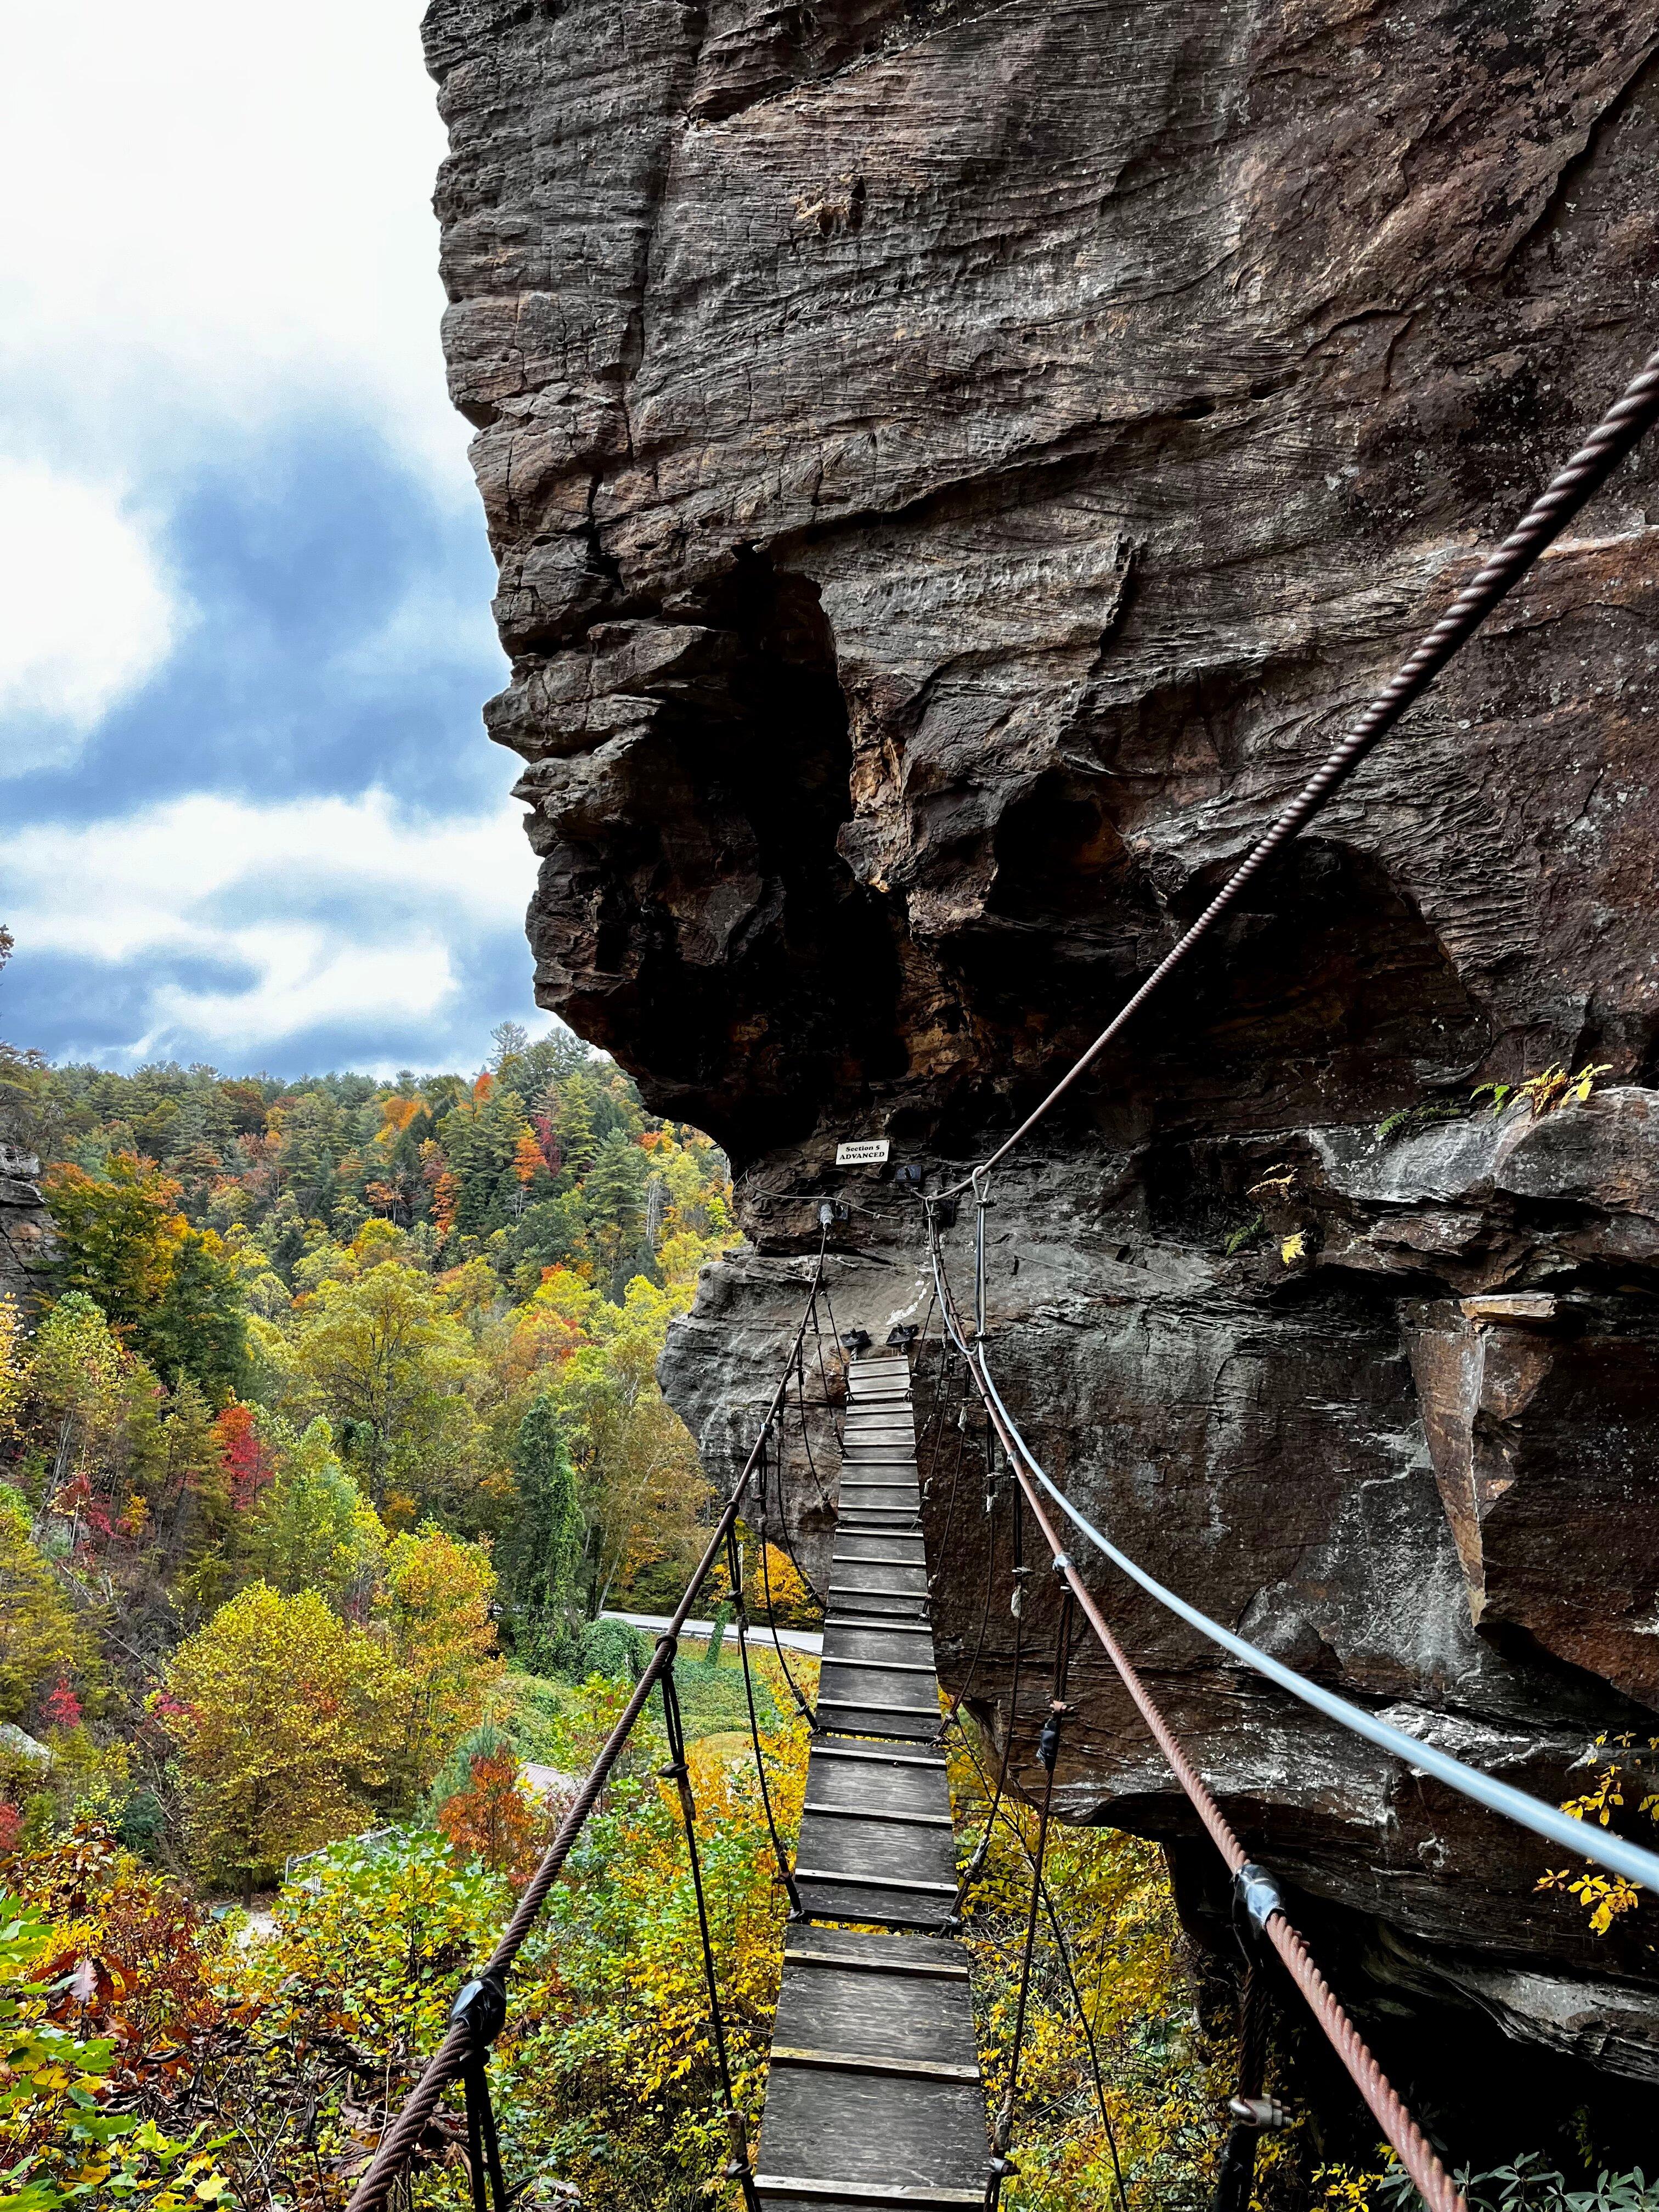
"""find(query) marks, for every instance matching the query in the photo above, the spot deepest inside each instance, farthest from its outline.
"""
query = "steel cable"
(1433, 2183)
(786, 1873)
(1620, 431)
(1583, 1837)
(1063, 1952)
(400, 2142)
(1048, 1757)
(678, 1771)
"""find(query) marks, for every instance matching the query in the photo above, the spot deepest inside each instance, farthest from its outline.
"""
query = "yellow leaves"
(276, 1707)
(1603, 1897)
(1294, 1248)
(12, 1366)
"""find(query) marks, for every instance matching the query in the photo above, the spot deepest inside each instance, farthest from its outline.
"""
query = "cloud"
(248, 928)
(86, 612)
(221, 215)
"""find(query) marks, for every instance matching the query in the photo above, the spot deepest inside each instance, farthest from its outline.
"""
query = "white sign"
(865, 1152)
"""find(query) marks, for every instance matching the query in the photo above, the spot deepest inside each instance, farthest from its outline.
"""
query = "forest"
(331, 1447)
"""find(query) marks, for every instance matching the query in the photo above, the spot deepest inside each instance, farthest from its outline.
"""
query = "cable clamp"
(1257, 1893)
(1062, 1564)
(482, 2004)
(1048, 1741)
(1265, 2114)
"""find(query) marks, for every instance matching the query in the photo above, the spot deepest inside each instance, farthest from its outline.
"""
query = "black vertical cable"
(786, 1874)
(1049, 1754)
(806, 1711)
(679, 1773)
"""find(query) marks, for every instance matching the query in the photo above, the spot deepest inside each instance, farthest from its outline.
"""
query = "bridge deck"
(874, 2097)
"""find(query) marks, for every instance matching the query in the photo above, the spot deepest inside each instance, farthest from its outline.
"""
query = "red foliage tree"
(249, 1464)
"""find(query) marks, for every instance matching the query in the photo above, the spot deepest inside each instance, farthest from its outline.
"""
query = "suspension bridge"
(874, 2096)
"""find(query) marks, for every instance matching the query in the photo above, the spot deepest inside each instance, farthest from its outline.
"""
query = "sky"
(248, 814)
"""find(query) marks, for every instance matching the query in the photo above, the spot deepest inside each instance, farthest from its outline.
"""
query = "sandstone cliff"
(25, 1226)
(953, 466)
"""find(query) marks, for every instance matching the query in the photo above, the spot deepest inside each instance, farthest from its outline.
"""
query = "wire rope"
(1256, 1888)
(678, 1771)
(1620, 431)
(786, 1873)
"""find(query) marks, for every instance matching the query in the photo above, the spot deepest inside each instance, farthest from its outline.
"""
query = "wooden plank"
(922, 1970)
(858, 2062)
(923, 2198)
(838, 1879)
(876, 1623)
(833, 1750)
(870, 1813)
(864, 1705)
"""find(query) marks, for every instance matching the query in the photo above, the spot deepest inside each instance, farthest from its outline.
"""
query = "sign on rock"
(863, 1152)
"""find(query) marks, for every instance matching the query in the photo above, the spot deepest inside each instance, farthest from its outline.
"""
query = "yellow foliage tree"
(278, 1710)
(11, 1366)
(435, 1619)
(643, 1486)
(383, 1354)
(41, 1637)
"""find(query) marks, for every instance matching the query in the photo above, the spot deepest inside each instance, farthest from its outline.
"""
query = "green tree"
(383, 1354)
(541, 1553)
(577, 1141)
(613, 1200)
(122, 1241)
(313, 1529)
(180, 1468)
(276, 1709)
(199, 1324)
(43, 1640)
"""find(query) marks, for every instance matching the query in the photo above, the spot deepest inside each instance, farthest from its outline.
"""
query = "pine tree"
(577, 1141)
(613, 1198)
(541, 1557)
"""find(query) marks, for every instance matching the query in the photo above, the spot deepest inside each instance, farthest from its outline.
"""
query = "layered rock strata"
(25, 1226)
(953, 468)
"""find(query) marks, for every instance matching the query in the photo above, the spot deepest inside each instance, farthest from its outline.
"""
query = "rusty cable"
(1434, 2184)
(1623, 426)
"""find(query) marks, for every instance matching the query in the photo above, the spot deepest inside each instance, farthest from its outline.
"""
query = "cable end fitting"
(1257, 1893)
(482, 2004)
(1265, 2115)
(1048, 1741)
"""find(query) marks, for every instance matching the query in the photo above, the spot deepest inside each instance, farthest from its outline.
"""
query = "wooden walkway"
(874, 2097)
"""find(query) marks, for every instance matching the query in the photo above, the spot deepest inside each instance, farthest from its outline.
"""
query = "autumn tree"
(642, 1485)
(312, 1528)
(278, 1709)
(71, 1382)
(480, 1804)
(170, 1289)
(387, 1362)
(43, 1639)
(435, 1619)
